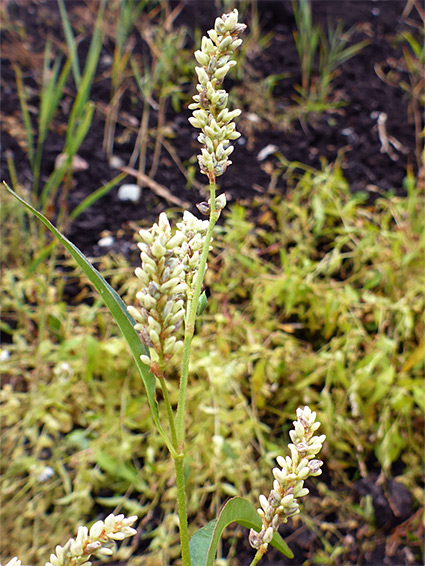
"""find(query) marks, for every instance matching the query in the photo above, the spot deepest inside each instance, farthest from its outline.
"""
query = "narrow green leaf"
(116, 307)
(118, 469)
(82, 127)
(96, 195)
(42, 256)
(70, 40)
(51, 94)
(52, 182)
(204, 543)
(25, 114)
(87, 79)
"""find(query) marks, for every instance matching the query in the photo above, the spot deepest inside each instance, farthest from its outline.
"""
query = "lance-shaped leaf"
(204, 543)
(117, 309)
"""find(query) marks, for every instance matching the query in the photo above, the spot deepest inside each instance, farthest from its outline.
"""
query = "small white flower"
(96, 530)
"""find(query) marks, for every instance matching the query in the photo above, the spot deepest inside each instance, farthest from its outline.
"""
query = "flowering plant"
(161, 327)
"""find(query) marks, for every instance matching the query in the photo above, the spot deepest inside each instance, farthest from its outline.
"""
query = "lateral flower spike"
(162, 296)
(210, 112)
(100, 540)
(168, 276)
(289, 479)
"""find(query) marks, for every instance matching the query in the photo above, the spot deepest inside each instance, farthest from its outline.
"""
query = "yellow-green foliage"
(332, 318)
(316, 298)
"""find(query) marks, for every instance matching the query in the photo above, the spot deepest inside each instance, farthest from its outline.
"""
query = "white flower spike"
(289, 479)
(100, 540)
(210, 112)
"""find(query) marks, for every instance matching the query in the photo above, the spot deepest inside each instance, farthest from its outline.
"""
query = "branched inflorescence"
(99, 541)
(168, 275)
(210, 112)
(289, 479)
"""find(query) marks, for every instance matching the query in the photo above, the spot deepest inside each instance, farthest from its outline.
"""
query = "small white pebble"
(4, 355)
(46, 474)
(129, 192)
(116, 162)
(106, 242)
(253, 118)
(266, 151)
(106, 59)
(78, 163)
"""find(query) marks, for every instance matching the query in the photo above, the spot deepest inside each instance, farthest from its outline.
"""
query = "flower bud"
(146, 236)
(153, 335)
(219, 25)
(287, 500)
(234, 114)
(202, 58)
(93, 547)
(301, 492)
(195, 123)
(233, 136)
(235, 44)
(145, 359)
(268, 535)
(202, 75)
(213, 34)
(279, 475)
(303, 473)
(222, 72)
(314, 466)
(204, 208)
(220, 201)
(230, 20)
(225, 43)
(264, 502)
(207, 46)
(255, 539)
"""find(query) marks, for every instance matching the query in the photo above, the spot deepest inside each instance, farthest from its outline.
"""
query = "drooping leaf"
(204, 543)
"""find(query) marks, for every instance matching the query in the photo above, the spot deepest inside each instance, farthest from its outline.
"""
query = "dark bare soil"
(348, 132)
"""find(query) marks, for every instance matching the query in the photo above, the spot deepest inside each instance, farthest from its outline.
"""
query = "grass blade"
(25, 114)
(71, 43)
(96, 195)
(87, 79)
(81, 130)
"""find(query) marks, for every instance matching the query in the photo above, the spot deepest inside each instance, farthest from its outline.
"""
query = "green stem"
(181, 506)
(169, 410)
(189, 331)
(258, 556)
(190, 321)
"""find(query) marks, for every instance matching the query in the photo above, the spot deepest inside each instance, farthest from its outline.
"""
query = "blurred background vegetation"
(315, 298)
